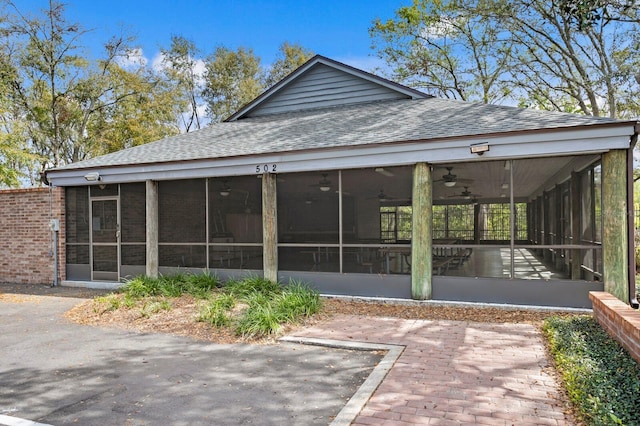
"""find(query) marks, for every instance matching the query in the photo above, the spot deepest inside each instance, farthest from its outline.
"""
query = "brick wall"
(26, 242)
(619, 320)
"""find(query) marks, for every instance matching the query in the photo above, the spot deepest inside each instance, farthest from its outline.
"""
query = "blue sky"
(337, 29)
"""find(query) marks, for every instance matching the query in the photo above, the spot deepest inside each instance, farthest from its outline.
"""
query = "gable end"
(323, 87)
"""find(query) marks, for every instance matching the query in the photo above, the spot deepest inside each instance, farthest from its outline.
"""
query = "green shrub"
(269, 304)
(259, 320)
(216, 311)
(298, 300)
(252, 285)
(172, 285)
(142, 286)
(198, 285)
(601, 378)
(201, 285)
(270, 309)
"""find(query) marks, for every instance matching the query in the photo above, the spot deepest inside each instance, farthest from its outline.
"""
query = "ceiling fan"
(324, 184)
(466, 194)
(450, 179)
(381, 196)
(225, 190)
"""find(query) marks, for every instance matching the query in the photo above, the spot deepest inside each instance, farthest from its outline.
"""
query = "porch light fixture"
(224, 193)
(93, 177)
(479, 148)
(505, 186)
(449, 183)
(325, 188)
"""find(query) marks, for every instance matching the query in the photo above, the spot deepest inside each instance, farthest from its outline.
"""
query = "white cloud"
(199, 67)
(134, 58)
(439, 29)
(157, 63)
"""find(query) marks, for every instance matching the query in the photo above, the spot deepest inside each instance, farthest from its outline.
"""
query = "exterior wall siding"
(26, 242)
(323, 87)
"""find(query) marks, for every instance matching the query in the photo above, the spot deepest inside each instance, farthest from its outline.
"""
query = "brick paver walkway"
(454, 372)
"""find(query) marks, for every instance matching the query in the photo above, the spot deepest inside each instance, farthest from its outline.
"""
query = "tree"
(15, 156)
(449, 50)
(289, 58)
(140, 108)
(590, 68)
(181, 70)
(232, 79)
(585, 13)
(235, 78)
(540, 59)
(63, 104)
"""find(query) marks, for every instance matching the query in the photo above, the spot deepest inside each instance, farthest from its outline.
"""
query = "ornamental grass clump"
(142, 286)
(217, 311)
(255, 307)
(601, 378)
(252, 307)
(197, 285)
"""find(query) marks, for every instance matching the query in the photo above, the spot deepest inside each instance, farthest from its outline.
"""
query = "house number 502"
(266, 168)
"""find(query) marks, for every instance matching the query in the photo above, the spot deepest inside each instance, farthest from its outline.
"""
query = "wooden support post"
(270, 227)
(576, 237)
(152, 228)
(422, 233)
(615, 260)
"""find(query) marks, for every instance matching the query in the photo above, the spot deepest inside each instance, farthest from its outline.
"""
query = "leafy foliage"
(252, 307)
(587, 13)
(602, 379)
(525, 52)
(172, 285)
(57, 106)
(234, 78)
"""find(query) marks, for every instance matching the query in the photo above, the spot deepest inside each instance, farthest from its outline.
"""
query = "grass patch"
(601, 378)
(251, 308)
(154, 306)
(217, 311)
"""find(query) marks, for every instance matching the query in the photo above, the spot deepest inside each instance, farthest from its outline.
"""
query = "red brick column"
(26, 241)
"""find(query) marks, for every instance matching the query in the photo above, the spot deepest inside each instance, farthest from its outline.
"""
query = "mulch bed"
(181, 318)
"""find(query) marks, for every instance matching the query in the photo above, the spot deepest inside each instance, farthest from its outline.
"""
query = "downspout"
(633, 301)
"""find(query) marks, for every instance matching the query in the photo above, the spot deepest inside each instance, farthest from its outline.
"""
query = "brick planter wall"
(26, 242)
(619, 320)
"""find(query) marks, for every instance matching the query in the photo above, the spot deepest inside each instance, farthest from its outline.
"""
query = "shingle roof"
(343, 126)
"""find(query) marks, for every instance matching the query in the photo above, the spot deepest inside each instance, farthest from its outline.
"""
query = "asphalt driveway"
(56, 372)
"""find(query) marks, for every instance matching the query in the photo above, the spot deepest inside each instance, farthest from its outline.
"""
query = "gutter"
(633, 301)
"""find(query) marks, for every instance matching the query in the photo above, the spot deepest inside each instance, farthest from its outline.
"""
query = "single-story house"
(361, 186)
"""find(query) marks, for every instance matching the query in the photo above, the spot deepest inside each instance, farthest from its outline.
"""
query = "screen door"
(105, 240)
